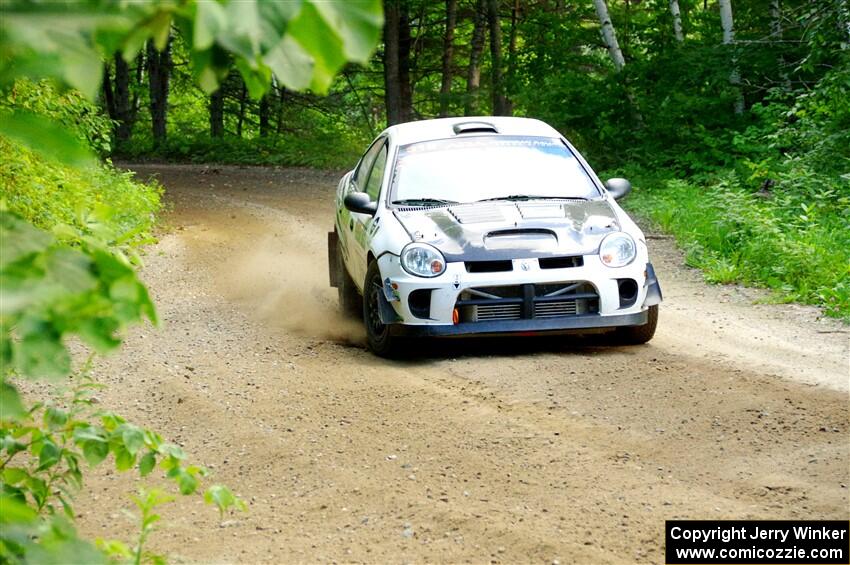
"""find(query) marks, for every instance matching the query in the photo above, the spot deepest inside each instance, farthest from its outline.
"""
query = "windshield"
(488, 168)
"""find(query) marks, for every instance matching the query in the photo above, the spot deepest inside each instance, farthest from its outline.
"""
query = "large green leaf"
(322, 42)
(40, 352)
(11, 407)
(210, 19)
(291, 64)
(19, 238)
(133, 438)
(71, 269)
(358, 23)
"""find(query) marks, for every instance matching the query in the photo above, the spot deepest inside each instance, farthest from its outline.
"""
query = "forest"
(731, 117)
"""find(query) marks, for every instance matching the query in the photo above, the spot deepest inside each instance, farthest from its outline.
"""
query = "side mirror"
(618, 188)
(360, 202)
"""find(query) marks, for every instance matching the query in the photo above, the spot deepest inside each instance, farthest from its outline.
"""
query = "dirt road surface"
(513, 451)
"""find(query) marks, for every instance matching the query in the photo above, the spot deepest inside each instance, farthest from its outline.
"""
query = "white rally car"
(491, 225)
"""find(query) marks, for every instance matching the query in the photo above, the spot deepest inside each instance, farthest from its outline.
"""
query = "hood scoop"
(477, 213)
(532, 240)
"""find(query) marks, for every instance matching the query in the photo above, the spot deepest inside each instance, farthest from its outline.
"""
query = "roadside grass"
(793, 239)
(49, 194)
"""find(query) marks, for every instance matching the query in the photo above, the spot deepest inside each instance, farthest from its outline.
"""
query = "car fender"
(387, 235)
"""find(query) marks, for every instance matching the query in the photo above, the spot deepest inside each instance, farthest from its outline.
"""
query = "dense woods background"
(731, 116)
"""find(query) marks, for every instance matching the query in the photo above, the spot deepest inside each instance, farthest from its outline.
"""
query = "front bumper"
(519, 327)
(444, 313)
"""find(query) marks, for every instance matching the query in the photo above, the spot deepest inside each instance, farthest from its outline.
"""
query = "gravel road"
(509, 450)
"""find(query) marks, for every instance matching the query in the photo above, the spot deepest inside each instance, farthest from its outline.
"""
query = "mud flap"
(653, 288)
(333, 271)
(387, 312)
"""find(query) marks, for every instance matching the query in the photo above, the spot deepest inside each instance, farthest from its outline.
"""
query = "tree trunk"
(392, 85)
(125, 114)
(265, 110)
(476, 48)
(280, 106)
(108, 97)
(243, 99)
(448, 48)
(677, 20)
(497, 82)
(511, 82)
(217, 113)
(141, 65)
(404, 43)
(609, 35)
(727, 23)
(776, 34)
(159, 69)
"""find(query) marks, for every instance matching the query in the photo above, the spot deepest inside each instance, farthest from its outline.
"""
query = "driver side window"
(361, 176)
(373, 185)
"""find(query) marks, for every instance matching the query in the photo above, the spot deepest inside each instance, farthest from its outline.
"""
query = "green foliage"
(98, 199)
(301, 44)
(51, 290)
(53, 287)
(79, 281)
(778, 215)
(73, 123)
(793, 239)
(43, 452)
(313, 151)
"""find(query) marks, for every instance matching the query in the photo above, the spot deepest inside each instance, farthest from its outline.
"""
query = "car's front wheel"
(636, 335)
(377, 332)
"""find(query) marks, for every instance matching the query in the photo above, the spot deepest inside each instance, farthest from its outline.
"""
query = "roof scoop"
(474, 127)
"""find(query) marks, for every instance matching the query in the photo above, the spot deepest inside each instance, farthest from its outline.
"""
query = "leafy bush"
(49, 194)
(793, 239)
(82, 118)
(52, 288)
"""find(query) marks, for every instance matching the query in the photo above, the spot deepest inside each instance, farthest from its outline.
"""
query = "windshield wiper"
(519, 197)
(423, 202)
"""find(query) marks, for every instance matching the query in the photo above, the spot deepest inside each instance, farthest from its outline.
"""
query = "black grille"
(489, 266)
(527, 301)
(561, 262)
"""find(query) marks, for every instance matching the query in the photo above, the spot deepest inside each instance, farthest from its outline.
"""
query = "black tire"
(637, 335)
(350, 303)
(378, 336)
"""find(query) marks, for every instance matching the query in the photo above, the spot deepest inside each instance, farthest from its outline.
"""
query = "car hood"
(490, 231)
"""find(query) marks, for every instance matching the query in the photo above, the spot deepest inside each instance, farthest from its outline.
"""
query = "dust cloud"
(285, 283)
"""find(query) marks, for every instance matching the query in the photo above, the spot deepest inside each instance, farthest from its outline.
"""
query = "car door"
(367, 178)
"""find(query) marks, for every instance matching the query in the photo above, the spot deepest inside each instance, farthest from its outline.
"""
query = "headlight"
(617, 250)
(422, 260)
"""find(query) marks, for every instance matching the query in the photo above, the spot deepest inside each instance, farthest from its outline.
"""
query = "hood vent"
(536, 211)
(477, 214)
